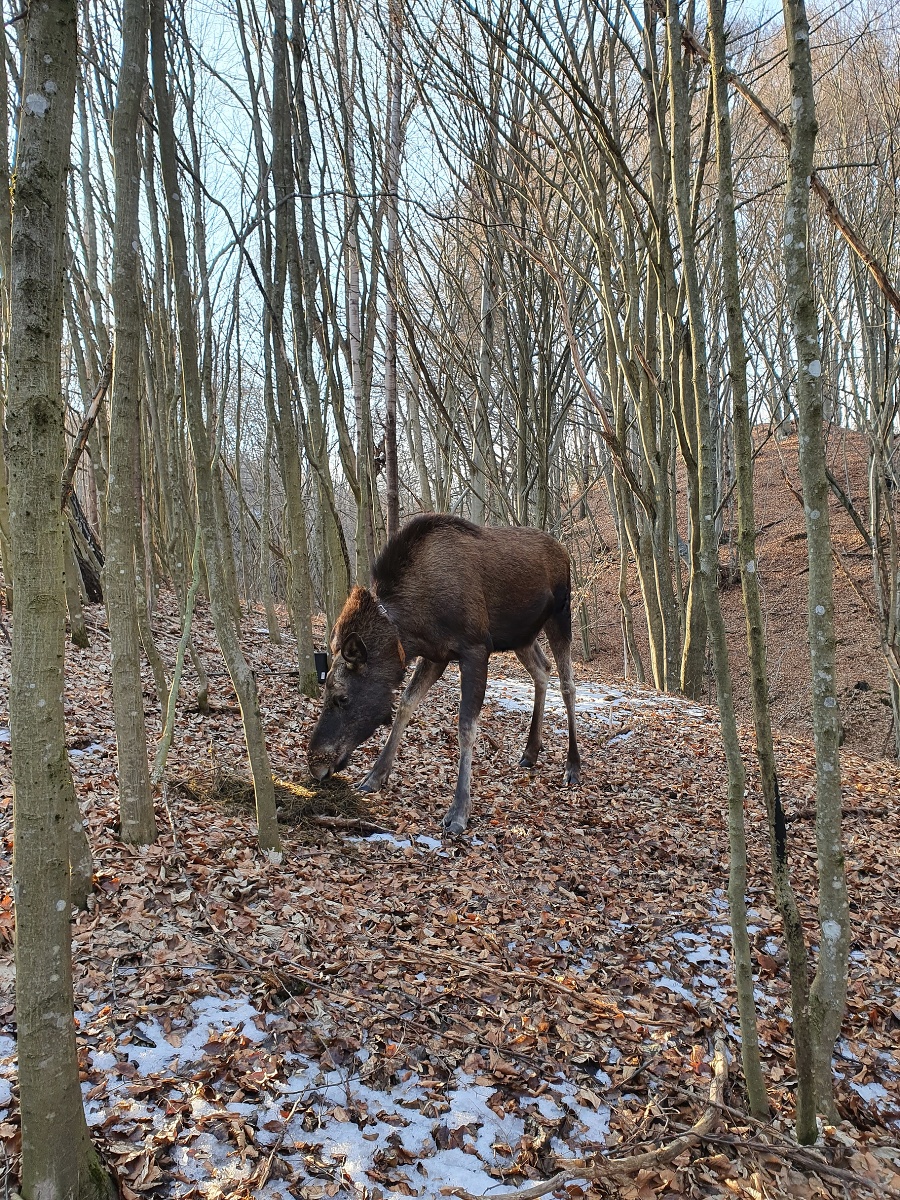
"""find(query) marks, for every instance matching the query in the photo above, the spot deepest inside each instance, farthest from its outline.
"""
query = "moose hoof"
(573, 776)
(371, 783)
(527, 762)
(453, 824)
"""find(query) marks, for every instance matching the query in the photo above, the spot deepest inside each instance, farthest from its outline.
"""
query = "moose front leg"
(473, 681)
(425, 674)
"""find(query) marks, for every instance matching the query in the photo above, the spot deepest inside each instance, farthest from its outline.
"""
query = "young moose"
(444, 589)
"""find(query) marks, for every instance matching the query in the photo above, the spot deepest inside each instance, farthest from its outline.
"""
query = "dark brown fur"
(445, 590)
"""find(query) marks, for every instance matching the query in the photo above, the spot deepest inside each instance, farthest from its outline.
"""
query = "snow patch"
(353, 1122)
(36, 105)
(594, 700)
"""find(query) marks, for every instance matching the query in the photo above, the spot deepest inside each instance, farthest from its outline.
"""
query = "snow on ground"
(598, 701)
(330, 1119)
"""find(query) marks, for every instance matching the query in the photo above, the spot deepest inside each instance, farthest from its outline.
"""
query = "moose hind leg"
(559, 635)
(535, 663)
(473, 681)
(425, 674)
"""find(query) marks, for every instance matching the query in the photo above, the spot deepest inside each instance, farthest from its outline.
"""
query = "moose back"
(445, 590)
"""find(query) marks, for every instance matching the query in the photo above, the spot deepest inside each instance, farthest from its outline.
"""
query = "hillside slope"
(781, 554)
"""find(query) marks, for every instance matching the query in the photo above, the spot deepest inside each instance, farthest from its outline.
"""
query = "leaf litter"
(391, 1011)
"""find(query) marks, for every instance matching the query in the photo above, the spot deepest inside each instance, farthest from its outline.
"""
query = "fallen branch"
(348, 823)
(599, 1168)
(589, 999)
(84, 431)
(806, 1157)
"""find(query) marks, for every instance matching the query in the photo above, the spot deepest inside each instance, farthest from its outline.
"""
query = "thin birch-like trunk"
(828, 994)
(709, 556)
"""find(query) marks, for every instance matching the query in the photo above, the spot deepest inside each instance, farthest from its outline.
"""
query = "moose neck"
(386, 616)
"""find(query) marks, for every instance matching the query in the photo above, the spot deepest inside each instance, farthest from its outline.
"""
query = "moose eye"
(339, 701)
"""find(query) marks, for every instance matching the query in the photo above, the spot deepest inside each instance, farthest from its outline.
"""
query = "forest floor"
(782, 572)
(392, 1011)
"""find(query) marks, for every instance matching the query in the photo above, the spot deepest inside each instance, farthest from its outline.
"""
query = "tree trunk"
(238, 668)
(709, 556)
(137, 824)
(828, 994)
(78, 634)
(265, 535)
(58, 1161)
(392, 268)
(299, 586)
(5, 229)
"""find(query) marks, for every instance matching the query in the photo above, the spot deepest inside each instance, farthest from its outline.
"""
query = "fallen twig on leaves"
(598, 1168)
(589, 999)
(806, 1157)
(345, 823)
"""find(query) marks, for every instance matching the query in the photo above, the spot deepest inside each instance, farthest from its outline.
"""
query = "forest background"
(286, 278)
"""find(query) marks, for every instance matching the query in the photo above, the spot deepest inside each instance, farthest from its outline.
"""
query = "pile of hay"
(297, 803)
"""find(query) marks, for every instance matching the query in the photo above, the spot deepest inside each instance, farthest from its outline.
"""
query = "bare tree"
(137, 822)
(829, 989)
(58, 1159)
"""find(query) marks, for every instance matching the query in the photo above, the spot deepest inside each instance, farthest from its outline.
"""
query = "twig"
(263, 1175)
(598, 1168)
(806, 1157)
(588, 998)
(84, 430)
(348, 823)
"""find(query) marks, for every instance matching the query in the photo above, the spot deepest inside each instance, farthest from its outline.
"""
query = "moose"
(445, 590)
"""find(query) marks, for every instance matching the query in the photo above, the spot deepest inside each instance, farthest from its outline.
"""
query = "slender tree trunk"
(414, 427)
(306, 275)
(265, 535)
(58, 1161)
(238, 668)
(5, 230)
(756, 646)
(299, 586)
(478, 502)
(828, 995)
(78, 634)
(137, 823)
(392, 269)
(709, 556)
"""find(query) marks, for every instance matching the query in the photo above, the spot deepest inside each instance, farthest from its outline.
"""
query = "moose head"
(368, 666)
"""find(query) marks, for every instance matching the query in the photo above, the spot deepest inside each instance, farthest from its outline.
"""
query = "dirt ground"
(781, 556)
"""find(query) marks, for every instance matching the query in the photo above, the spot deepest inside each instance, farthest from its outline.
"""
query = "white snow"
(352, 1121)
(91, 749)
(36, 104)
(396, 843)
(872, 1093)
(593, 700)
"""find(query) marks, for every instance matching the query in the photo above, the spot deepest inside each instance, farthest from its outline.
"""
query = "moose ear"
(354, 652)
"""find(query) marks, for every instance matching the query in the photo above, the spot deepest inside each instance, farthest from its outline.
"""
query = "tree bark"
(392, 267)
(828, 994)
(137, 823)
(238, 669)
(709, 557)
(756, 644)
(58, 1161)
